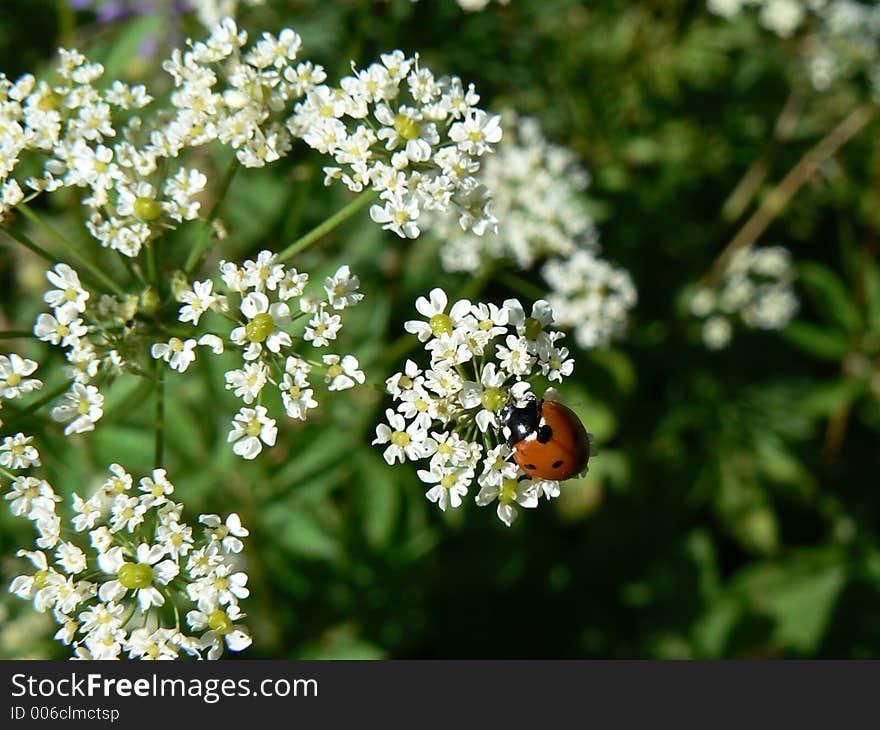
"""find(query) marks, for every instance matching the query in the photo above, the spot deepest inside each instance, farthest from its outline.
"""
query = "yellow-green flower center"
(219, 622)
(254, 427)
(260, 327)
(334, 371)
(41, 579)
(400, 438)
(147, 209)
(13, 380)
(407, 127)
(508, 491)
(533, 328)
(176, 344)
(49, 101)
(441, 324)
(405, 382)
(447, 481)
(136, 575)
(493, 399)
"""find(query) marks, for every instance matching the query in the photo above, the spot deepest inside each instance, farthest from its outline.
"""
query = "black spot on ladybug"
(545, 433)
(557, 464)
(529, 466)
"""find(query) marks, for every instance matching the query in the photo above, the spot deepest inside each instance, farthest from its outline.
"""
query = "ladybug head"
(519, 422)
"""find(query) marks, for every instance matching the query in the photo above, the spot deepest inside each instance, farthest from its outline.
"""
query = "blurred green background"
(733, 508)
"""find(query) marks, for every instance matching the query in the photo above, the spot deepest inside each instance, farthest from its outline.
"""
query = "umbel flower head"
(449, 415)
(842, 35)
(393, 127)
(134, 579)
(538, 196)
(757, 288)
(414, 138)
(96, 334)
(277, 326)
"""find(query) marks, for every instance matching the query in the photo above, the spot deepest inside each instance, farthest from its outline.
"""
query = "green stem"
(523, 286)
(8, 473)
(71, 249)
(48, 397)
(195, 254)
(15, 334)
(328, 225)
(159, 447)
(29, 244)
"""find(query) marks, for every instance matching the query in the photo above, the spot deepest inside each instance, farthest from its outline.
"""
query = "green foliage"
(732, 509)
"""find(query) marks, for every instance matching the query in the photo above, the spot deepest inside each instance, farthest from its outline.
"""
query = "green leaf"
(821, 342)
(381, 498)
(799, 594)
(871, 280)
(824, 399)
(301, 531)
(125, 49)
(835, 299)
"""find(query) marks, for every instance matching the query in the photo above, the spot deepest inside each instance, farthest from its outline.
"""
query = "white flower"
(450, 485)
(248, 382)
(509, 493)
(342, 374)
(197, 301)
(399, 214)
(65, 330)
(156, 489)
(82, 406)
(126, 513)
(71, 558)
(342, 288)
(488, 395)
(251, 428)
(438, 323)
(221, 629)
(69, 295)
(17, 452)
(477, 132)
(323, 328)
(31, 497)
(405, 441)
(179, 354)
(226, 533)
(296, 394)
(265, 321)
(14, 382)
(139, 576)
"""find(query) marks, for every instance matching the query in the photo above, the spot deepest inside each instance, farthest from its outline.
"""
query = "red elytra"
(558, 453)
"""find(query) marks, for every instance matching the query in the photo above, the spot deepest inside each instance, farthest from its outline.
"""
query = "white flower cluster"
(121, 583)
(757, 287)
(92, 334)
(415, 139)
(843, 36)
(538, 195)
(589, 296)
(483, 358)
(392, 127)
(269, 298)
(17, 451)
(71, 125)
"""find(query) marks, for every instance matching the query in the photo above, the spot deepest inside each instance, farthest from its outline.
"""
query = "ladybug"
(548, 439)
